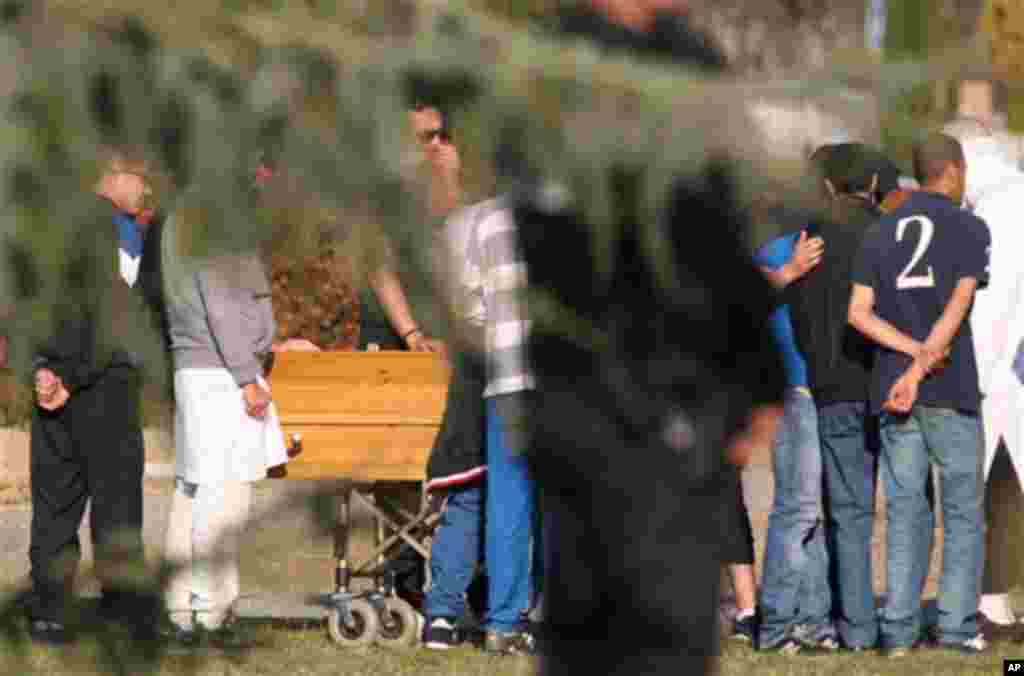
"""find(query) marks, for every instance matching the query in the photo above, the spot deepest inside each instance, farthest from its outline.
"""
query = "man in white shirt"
(994, 189)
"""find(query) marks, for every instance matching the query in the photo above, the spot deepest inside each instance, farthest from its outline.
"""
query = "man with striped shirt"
(494, 260)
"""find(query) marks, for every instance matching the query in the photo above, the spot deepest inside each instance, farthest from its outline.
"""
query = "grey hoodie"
(218, 311)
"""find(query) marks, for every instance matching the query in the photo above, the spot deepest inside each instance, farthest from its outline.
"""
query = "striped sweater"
(496, 271)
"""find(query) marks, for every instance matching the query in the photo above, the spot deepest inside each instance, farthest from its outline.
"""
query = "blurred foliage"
(320, 91)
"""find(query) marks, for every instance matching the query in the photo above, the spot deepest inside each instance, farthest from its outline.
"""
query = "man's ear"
(830, 188)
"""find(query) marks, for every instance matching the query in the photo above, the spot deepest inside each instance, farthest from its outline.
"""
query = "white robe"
(996, 190)
(215, 439)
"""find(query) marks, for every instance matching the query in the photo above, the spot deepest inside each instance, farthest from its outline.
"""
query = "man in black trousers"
(86, 437)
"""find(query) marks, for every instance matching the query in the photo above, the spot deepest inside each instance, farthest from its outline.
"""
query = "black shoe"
(745, 630)
(49, 632)
(440, 634)
(993, 631)
(180, 641)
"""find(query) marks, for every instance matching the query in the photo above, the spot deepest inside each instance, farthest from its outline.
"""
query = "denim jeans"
(455, 551)
(850, 447)
(511, 508)
(910, 444)
(794, 587)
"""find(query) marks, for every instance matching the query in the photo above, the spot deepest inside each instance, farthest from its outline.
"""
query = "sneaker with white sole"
(440, 634)
(972, 646)
(792, 647)
(745, 629)
(509, 642)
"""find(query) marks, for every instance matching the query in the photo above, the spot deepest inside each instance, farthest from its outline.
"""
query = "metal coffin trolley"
(363, 417)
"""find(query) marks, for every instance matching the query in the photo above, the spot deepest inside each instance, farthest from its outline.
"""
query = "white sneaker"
(973, 646)
(996, 608)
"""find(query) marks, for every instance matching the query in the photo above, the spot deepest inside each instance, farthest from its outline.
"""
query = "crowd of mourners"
(888, 321)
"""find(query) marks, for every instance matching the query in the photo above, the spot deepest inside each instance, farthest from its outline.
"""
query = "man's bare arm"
(392, 296)
(953, 316)
(862, 317)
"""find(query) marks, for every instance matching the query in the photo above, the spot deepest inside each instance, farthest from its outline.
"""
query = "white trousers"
(203, 535)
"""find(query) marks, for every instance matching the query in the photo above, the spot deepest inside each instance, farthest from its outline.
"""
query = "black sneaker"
(178, 640)
(509, 642)
(440, 634)
(792, 647)
(745, 629)
(49, 632)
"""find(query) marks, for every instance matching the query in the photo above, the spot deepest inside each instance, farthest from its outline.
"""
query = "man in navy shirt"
(913, 285)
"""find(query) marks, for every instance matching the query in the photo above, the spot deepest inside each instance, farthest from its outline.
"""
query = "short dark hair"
(933, 154)
(849, 167)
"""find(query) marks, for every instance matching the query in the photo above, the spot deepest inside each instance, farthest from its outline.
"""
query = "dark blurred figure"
(629, 435)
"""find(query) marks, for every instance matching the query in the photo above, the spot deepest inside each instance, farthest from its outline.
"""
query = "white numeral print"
(905, 279)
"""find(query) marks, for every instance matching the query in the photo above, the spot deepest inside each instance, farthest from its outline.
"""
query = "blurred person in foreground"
(838, 370)
(914, 282)
(227, 434)
(993, 192)
(629, 437)
(86, 437)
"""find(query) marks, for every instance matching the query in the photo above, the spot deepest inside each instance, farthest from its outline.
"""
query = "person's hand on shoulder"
(807, 254)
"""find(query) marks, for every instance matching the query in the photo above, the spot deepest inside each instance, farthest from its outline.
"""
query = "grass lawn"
(292, 651)
(281, 651)
(743, 661)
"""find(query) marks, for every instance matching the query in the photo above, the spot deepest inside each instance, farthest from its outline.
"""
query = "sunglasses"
(441, 133)
(142, 176)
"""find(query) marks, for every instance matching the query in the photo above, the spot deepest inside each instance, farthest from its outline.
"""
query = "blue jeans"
(910, 444)
(511, 508)
(794, 586)
(455, 551)
(850, 447)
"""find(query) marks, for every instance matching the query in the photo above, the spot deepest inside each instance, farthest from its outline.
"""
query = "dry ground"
(284, 552)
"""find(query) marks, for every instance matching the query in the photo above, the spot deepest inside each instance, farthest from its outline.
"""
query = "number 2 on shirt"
(905, 280)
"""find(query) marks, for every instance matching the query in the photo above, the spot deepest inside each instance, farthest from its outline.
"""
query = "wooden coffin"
(365, 416)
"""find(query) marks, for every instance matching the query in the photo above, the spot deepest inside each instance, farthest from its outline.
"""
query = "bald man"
(914, 282)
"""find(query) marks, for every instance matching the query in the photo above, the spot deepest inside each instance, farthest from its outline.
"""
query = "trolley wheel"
(360, 632)
(404, 629)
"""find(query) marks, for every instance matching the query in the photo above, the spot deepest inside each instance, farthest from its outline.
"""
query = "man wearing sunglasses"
(386, 314)
(86, 439)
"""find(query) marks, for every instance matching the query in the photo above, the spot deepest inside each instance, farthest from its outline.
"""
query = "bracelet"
(410, 332)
